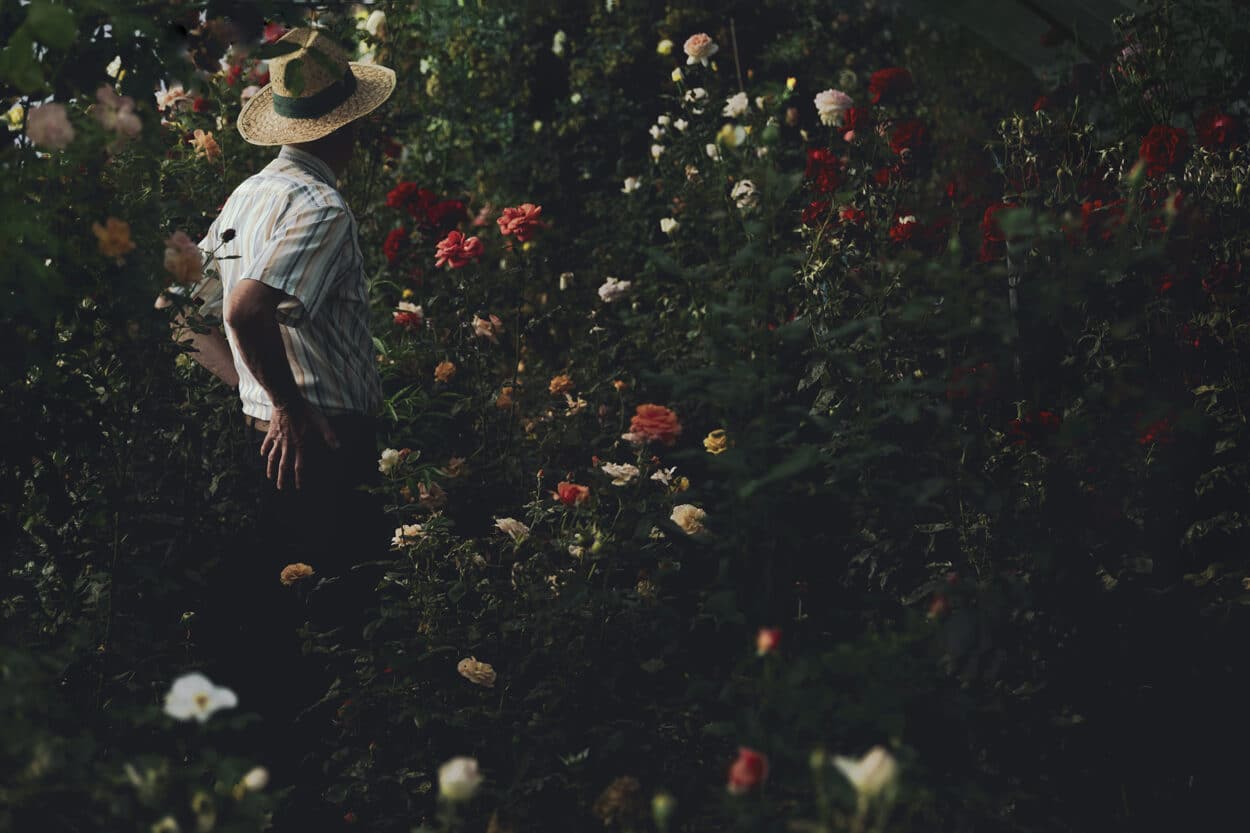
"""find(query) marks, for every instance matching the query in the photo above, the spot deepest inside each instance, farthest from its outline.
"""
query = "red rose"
(883, 176)
(851, 214)
(909, 135)
(1041, 103)
(233, 74)
(406, 196)
(521, 222)
(1164, 149)
(447, 213)
(1101, 219)
(260, 77)
(993, 239)
(199, 104)
(391, 149)
(904, 229)
(748, 771)
(393, 246)
(1217, 130)
(571, 494)
(1159, 431)
(455, 250)
(655, 423)
(814, 212)
(886, 85)
(857, 118)
(823, 169)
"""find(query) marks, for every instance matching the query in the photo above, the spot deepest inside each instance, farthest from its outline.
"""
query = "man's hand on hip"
(292, 430)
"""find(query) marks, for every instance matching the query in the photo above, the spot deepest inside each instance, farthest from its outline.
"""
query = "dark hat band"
(318, 104)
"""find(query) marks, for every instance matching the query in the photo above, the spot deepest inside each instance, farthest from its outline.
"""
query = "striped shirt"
(294, 232)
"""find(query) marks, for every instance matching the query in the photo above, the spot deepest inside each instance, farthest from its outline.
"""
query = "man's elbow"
(249, 306)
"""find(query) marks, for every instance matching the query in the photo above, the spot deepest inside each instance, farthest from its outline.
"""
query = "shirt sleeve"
(302, 259)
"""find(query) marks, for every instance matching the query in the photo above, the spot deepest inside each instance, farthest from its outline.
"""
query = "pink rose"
(182, 258)
(456, 250)
(521, 222)
(699, 48)
(117, 112)
(47, 126)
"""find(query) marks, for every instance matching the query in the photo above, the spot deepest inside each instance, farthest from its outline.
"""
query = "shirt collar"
(314, 164)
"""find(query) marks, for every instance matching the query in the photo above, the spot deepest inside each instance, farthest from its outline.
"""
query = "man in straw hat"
(287, 279)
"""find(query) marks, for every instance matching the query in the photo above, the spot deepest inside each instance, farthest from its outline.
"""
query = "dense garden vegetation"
(837, 423)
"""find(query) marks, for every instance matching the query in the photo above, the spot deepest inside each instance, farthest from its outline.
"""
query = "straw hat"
(335, 92)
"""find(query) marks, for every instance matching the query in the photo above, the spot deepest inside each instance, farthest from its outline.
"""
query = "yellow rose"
(664, 47)
(716, 442)
(113, 237)
(791, 82)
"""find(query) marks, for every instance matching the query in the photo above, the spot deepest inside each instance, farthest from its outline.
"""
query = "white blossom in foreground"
(735, 105)
(458, 779)
(689, 517)
(870, 774)
(832, 105)
(256, 779)
(632, 184)
(390, 460)
(745, 195)
(664, 476)
(513, 528)
(194, 696)
(613, 289)
(621, 473)
(406, 534)
(668, 225)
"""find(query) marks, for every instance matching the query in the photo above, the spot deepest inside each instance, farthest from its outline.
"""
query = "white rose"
(735, 105)
(458, 779)
(375, 24)
(668, 225)
(712, 151)
(656, 151)
(695, 96)
(689, 517)
(193, 696)
(664, 476)
(621, 473)
(657, 132)
(613, 289)
(557, 42)
(632, 184)
(745, 195)
(256, 779)
(513, 528)
(681, 124)
(872, 773)
(114, 67)
(832, 105)
(406, 534)
(389, 460)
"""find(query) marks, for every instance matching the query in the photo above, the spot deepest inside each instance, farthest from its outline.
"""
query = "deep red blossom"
(1042, 102)
(521, 222)
(813, 214)
(1217, 130)
(886, 86)
(258, 76)
(748, 771)
(993, 238)
(1164, 149)
(445, 214)
(233, 74)
(409, 197)
(199, 104)
(883, 176)
(857, 118)
(906, 229)
(273, 31)
(851, 214)
(455, 250)
(408, 316)
(1158, 431)
(909, 135)
(1101, 219)
(395, 243)
(823, 170)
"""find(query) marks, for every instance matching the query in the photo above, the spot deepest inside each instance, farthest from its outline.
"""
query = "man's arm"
(252, 313)
(210, 349)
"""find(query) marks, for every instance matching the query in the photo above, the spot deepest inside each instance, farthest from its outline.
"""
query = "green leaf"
(19, 65)
(293, 77)
(52, 25)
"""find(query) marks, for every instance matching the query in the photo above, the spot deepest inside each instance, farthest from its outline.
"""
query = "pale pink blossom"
(47, 126)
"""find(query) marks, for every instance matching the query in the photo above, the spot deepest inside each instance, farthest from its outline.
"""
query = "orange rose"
(563, 383)
(445, 371)
(571, 494)
(655, 423)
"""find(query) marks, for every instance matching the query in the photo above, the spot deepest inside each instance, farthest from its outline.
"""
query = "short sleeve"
(302, 259)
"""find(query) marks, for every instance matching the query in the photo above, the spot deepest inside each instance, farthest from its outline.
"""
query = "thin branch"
(733, 37)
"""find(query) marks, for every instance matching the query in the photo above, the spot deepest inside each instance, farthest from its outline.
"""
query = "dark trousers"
(330, 525)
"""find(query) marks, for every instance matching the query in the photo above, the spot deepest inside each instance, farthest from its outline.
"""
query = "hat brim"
(260, 125)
